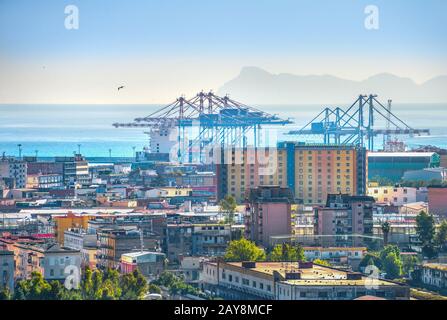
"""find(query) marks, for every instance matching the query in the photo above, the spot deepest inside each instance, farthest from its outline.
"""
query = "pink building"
(437, 200)
(268, 213)
(345, 220)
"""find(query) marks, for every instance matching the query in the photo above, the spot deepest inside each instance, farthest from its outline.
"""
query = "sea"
(59, 130)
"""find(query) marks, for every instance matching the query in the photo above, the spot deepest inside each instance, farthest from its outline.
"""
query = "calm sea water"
(56, 130)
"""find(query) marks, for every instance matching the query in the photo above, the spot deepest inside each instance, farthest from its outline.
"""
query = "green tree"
(39, 289)
(244, 250)
(386, 227)
(153, 288)
(322, 262)
(425, 228)
(371, 258)
(408, 263)
(392, 265)
(286, 252)
(228, 205)
(5, 294)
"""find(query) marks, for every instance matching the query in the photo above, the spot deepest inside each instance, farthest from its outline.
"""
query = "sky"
(161, 49)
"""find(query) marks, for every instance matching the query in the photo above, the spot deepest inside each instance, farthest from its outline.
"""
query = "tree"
(228, 205)
(408, 263)
(286, 252)
(243, 250)
(425, 228)
(392, 265)
(5, 294)
(153, 288)
(322, 262)
(386, 227)
(441, 236)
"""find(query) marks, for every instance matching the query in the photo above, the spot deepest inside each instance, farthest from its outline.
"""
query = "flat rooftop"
(317, 275)
(437, 266)
(401, 154)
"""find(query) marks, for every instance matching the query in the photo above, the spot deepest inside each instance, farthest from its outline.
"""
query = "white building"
(434, 275)
(58, 263)
(14, 169)
(397, 196)
(77, 239)
(292, 281)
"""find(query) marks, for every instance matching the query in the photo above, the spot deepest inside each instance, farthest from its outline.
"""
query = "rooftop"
(316, 275)
(437, 266)
(401, 154)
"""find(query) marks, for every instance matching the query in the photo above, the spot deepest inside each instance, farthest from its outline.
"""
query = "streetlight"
(37, 153)
(79, 149)
(110, 153)
(134, 154)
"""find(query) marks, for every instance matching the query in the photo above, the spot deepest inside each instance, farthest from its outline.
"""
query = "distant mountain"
(255, 85)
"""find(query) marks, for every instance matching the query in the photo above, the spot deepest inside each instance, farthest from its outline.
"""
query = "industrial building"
(393, 165)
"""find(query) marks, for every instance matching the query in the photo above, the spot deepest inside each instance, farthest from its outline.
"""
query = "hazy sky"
(160, 49)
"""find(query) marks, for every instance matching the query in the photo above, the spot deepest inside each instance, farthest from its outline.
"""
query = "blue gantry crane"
(208, 120)
(357, 124)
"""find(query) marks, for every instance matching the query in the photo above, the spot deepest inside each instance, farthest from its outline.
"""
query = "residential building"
(60, 262)
(268, 213)
(116, 241)
(7, 269)
(148, 263)
(437, 201)
(69, 221)
(343, 218)
(397, 196)
(179, 241)
(335, 255)
(293, 281)
(434, 275)
(14, 169)
(210, 239)
(75, 170)
(311, 171)
(45, 181)
(393, 165)
(77, 239)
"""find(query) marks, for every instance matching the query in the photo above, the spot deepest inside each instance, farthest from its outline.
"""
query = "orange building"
(70, 220)
(311, 171)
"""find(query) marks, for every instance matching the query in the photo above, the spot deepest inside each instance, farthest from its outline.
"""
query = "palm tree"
(386, 231)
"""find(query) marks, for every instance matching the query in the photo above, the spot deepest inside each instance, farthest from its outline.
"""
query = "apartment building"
(268, 213)
(434, 275)
(116, 241)
(397, 196)
(15, 170)
(293, 281)
(210, 239)
(75, 170)
(311, 171)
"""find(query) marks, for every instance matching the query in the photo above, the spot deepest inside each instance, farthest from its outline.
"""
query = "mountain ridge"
(256, 85)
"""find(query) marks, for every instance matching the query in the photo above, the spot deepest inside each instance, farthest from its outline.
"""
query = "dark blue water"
(56, 130)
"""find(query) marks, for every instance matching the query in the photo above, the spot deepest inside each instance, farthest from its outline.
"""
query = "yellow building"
(312, 171)
(69, 221)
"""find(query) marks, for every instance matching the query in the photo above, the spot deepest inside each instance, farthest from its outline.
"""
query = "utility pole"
(110, 154)
(79, 149)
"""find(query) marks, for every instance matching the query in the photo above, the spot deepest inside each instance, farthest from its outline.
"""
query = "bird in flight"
(121, 87)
